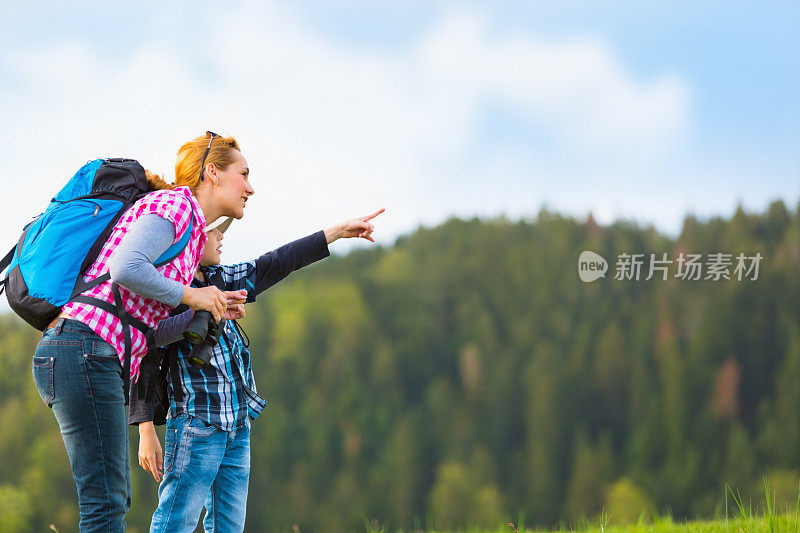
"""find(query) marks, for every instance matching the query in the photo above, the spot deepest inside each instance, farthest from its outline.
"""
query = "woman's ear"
(210, 172)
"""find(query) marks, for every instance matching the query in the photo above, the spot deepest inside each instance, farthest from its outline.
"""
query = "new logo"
(591, 266)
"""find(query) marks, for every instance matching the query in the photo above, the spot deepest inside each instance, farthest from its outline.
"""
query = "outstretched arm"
(261, 274)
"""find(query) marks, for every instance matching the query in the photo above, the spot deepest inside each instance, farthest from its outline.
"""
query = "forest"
(465, 375)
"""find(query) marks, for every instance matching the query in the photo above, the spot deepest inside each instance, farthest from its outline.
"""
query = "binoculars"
(202, 332)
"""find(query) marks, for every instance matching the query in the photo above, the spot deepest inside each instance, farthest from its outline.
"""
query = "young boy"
(207, 446)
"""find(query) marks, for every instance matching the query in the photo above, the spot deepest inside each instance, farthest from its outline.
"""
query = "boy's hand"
(357, 227)
(236, 300)
(150, 454)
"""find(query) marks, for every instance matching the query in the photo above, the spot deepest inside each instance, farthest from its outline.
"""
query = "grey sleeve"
(132, 263)
(171, 329)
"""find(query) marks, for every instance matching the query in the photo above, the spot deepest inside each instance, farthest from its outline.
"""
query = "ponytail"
(156, 183)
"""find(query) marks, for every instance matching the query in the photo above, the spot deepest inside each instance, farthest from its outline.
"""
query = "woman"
(77, 366)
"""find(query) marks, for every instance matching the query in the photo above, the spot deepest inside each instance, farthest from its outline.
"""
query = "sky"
(639, 110)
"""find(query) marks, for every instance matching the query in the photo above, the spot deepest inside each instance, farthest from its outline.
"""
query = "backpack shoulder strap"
(174, 372)
(4, 262)
(175, 250)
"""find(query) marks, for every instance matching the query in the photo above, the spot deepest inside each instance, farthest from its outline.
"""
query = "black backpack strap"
(111, 308)
(161, 378)
(151, 359)
(83, 287)
(126, 330)
(4, 262)
(174, 372)
(167, 354)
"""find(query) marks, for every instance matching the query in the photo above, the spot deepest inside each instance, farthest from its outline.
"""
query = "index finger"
(235, 295)
(373, 215)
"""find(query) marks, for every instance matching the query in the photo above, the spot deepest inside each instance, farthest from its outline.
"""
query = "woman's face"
(213, 251)
(233, 188)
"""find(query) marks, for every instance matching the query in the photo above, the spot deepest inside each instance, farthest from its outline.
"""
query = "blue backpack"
(46, 267)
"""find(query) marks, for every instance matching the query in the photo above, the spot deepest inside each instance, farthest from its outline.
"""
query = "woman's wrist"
(188, 297)
(146, 427)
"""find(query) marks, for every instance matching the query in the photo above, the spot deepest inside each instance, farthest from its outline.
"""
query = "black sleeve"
(261, 274)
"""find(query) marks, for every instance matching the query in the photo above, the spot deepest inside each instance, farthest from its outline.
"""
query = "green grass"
(773, 524)
(740, 517)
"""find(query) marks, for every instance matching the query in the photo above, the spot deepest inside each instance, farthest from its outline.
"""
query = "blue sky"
(642, 110)
(740, 56)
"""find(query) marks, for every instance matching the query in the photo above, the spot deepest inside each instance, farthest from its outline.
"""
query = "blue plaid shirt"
(223, 393)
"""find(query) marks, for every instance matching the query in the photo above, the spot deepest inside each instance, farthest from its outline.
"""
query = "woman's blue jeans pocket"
(43, 378)
(44, 360)
(99, 350)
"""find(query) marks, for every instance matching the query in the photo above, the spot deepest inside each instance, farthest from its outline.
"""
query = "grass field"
(770, 524)
(742, 518)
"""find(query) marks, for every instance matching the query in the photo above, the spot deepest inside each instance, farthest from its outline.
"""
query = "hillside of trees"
(466, 375)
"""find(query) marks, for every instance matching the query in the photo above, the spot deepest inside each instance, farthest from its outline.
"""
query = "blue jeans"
(79, 376)
(203, 466)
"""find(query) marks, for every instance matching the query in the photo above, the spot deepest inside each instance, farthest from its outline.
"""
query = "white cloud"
(332, 130)
(578, 89)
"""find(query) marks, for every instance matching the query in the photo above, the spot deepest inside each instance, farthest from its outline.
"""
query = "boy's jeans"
(203, 466)
(79, 376)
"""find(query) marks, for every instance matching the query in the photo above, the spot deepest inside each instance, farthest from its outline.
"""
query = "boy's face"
(211, 255)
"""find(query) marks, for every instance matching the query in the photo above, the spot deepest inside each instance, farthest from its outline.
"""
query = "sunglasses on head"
(203, 164)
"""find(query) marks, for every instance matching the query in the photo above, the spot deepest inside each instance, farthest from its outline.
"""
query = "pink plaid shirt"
(173, 205)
